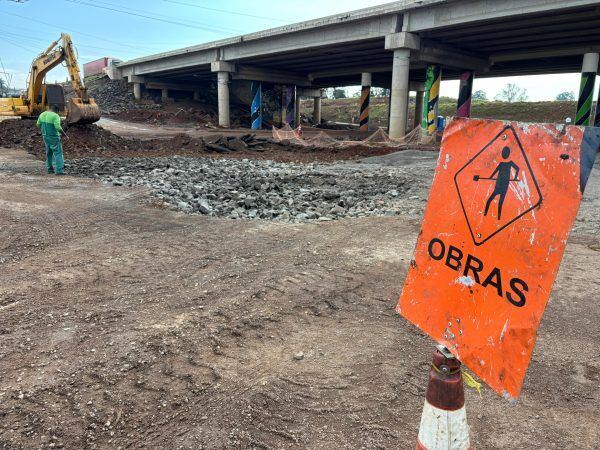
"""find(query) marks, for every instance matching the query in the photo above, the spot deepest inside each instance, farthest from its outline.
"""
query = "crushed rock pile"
(113, 96)
(266, 190)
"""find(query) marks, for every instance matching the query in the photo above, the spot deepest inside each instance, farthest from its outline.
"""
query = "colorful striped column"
(432, 96)
(463, 107)
(444, 419)
(256, 106)
(586, 89)
(290, 95)
(365, 96)
(597, 118)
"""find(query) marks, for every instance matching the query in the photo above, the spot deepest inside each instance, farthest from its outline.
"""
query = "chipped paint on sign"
(503, 201)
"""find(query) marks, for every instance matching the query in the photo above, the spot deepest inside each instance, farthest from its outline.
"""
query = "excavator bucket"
(80, 112)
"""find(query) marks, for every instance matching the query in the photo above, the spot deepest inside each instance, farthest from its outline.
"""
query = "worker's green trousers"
(54, 154)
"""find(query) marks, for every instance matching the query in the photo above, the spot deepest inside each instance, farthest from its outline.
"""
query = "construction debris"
(92, 140)
(265, 189)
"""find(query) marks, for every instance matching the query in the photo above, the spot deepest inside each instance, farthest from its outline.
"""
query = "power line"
(226, 11)
(6, 75)
(18, 44)
(155, 14)
(138, 48)
(45, 40)
(172, 22)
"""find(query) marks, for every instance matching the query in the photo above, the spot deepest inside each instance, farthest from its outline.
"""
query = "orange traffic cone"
(444, 420)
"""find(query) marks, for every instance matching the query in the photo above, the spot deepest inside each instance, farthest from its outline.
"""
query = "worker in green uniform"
(49, 122)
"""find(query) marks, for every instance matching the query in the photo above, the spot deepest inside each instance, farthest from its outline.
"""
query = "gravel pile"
(267, 190)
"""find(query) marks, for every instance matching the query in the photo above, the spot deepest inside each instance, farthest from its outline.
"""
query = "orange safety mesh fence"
(378, 138)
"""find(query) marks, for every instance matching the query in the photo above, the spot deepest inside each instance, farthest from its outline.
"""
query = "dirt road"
(125, 325)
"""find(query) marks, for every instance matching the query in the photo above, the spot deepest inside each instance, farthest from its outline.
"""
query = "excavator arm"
(81, 108)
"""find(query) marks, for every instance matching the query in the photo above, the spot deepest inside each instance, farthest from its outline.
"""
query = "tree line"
(510, 93)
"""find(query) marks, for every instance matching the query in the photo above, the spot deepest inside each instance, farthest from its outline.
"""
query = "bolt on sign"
(503, 200)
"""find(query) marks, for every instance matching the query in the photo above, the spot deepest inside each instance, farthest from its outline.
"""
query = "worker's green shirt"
(49, 121)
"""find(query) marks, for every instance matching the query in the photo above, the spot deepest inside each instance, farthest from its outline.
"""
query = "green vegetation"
(347, 110)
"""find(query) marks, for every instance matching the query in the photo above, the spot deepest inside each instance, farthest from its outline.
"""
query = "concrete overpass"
(388, 46)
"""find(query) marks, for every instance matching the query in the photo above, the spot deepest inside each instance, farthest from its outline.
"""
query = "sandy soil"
(125, 325)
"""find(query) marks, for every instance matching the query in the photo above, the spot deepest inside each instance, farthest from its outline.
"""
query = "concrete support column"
(137, 82)
(297, 110)
(418, 109)
(399, 92)
(463, 106)
(586, 89)
(196, 95)
(223, 68)
(317, 111)
(164, 94)
(365, 96)
(223, 98)
(432, 96)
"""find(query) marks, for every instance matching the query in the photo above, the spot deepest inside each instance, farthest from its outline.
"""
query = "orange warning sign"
(503, 200)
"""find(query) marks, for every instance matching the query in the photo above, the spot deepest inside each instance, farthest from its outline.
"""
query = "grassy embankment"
(346, 110)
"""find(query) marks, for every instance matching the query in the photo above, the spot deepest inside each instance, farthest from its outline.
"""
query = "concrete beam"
(343, 32)
(171, 86)
(222, 66)
(453, 13)
(402, 40)
(349, 71)
(308, 92)
(451, 57)
(135, 79)
(254, 73)
(160, 64)
(545, 53)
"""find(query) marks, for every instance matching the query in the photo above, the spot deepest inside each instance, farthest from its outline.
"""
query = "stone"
(204, 207)
(237, 144)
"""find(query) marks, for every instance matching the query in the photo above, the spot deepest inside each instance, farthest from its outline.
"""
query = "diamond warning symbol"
(497, 186)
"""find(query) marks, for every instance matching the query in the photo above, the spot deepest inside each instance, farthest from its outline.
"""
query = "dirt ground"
(123, 325)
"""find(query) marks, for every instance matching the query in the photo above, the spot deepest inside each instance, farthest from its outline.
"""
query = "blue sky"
(98, 30)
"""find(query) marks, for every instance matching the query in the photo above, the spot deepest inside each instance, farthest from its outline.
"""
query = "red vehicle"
(99, 66)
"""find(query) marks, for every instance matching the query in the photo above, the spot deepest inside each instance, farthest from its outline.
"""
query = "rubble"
(91, 140)
(267, 190)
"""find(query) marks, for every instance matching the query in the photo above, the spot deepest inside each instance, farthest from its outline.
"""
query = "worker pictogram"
(501, 206)
(497, 186)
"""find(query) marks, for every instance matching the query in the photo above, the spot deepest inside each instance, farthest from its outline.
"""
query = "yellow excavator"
(32, 102)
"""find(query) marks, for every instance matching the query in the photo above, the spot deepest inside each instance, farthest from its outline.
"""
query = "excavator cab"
(54, 94)
(76, 110)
